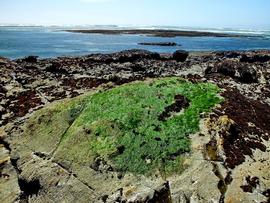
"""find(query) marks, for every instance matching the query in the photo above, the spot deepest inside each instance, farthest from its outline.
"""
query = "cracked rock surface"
(229, 158)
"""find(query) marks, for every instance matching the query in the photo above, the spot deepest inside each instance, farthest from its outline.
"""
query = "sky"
(243, 14)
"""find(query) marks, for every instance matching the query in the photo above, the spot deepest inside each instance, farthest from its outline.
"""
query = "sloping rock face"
(228, 159)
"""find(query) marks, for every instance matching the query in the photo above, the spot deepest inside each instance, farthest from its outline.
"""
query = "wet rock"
(248, 74)
(255, 58)
(240, 147)
(232, 54)
(99, 58)
(56, 67)
(240, 139)
(30, 59)
(165, 44)
(228, 54)
(133, 55)
(22, 102)
(123, 56)
(180, 55)
(227, 68)
(137, 67)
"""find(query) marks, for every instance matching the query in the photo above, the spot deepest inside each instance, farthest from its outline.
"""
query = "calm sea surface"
(16, 42)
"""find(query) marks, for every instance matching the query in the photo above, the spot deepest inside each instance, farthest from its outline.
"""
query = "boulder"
(248, 74)
(30, 59)
(227, 68)
(56, 67)
(180, 55)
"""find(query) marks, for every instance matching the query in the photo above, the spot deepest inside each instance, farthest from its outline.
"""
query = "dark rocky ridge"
(157, 33)
(28, 84)
(164, 44)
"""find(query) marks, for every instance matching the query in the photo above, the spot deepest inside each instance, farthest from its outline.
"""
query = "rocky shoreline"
(230, 158)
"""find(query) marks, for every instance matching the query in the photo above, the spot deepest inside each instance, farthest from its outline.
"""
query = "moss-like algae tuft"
(122, 125)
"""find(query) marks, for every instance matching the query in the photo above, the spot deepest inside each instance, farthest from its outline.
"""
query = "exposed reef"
(157, 33)
(43, 101)
(164, 44)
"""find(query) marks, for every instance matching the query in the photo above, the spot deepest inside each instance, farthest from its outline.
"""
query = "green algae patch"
(139, 127)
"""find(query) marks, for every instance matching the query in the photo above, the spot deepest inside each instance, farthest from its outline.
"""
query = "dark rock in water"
(180, 55)
(255, 58)
(165, 44)
(30, 59)
(248, 74)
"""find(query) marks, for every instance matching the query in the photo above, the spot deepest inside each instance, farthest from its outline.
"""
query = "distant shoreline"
(156, 33)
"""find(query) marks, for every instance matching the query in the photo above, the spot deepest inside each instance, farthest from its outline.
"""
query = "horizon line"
(130, 26)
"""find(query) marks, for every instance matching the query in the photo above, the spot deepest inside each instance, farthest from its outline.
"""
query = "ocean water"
(45, 42)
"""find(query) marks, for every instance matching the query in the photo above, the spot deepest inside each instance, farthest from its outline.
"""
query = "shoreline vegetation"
(156, 33)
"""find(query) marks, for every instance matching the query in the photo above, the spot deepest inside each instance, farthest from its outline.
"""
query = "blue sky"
(195, 13)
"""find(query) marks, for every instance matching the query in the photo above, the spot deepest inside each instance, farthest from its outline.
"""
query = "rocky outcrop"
(255, 58)
(226, 67)
(229, 159)
(124, 56)
(248, 74)
(180, 55)
(30, 59)
(10, 190)
(244, 72)
(164, 44)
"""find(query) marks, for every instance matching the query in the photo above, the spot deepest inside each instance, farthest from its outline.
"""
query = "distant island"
(156, 33)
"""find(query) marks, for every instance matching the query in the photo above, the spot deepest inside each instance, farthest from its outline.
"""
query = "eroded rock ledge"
(230, 155)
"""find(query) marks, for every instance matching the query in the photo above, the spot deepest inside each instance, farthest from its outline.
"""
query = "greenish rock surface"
(140, 127)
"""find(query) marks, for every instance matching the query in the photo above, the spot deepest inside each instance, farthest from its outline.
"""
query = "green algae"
(122, 125)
